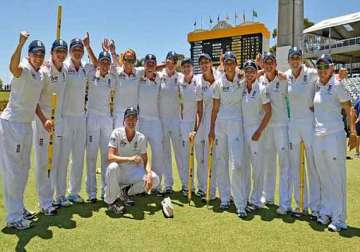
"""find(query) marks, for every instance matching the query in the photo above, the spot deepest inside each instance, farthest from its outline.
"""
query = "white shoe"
(337, 227)
(27, 215)
(282, 211)
(62, 202)
(75, 198)
(241, 213)
(167, 208)
(20, 224)
(323, 220)
(50, 211)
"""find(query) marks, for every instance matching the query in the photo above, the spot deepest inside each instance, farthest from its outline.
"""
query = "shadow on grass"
(143, 204)
(64, 219)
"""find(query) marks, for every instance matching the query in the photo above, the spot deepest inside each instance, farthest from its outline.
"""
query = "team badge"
(53, 78)
(330, 89)
(122, 143)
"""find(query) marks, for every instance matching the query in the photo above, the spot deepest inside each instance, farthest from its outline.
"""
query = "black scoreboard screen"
(245, 47)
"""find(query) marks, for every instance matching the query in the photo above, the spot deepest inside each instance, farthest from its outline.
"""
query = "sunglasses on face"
(129, 60)
(323, 66)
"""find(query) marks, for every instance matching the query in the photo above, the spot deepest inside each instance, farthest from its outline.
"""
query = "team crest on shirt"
(329, 91)
(53, 78)
(34, 76)
(122, 143)
(305, 79)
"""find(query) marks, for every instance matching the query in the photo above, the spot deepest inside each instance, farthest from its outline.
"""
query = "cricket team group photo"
(240, 135)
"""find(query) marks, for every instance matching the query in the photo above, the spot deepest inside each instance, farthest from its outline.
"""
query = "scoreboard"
(244, 44)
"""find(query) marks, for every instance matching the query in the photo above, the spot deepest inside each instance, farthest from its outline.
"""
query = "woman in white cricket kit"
(227, 130)
(276, 137)
(170, 119)
(188, 111)
(129, 171)
(15, 129)
(256, 108)
(99, 121)
(56, 76)
(149, 115)
(204, 91)
(301, 88)
(330, 144)
(127, 89)
(74, 124)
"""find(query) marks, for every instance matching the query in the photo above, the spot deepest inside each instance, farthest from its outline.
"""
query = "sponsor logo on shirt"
(226, 89)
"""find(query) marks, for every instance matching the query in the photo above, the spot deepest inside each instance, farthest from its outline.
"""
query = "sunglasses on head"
(323, 66)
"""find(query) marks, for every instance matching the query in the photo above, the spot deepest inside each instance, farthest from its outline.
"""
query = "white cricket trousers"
(202, 159)
(45, 185)
(98, 131)
(15, 146)
(330, 157)
(304, 131)
(229, 152)
(186, 128)
(118, 176)
(277, 142)
(152, 130)
(74, 138)
(172, 133)
(254, 152)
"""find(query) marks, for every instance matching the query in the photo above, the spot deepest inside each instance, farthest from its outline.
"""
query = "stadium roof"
(342, 27)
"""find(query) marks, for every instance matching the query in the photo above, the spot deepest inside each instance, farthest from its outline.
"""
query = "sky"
(148, 26)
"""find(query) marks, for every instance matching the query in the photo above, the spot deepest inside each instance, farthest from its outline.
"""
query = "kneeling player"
(128, 173)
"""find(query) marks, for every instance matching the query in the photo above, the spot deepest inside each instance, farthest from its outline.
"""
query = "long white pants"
(304, 131)
(98, 131)
(45, 185)
(152, 130)
(330, 157)
(201, 152)
(172, 131)
(229, 152)
(254, 150)
(119, 120)
(73, 143)
(186, 128)
(15, 146)
(277, 142)
(118, 176)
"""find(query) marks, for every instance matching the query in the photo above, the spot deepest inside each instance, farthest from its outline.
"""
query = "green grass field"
(4, 96)
(89, 227)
